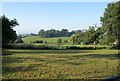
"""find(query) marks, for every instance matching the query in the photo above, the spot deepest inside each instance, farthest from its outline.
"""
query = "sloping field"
(33, 38)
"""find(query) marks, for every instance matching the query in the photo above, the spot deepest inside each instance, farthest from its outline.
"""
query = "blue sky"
(33, 16)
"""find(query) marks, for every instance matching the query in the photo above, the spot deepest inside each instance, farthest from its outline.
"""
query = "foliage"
(19, 40)
(39, 41)
(55, 33)
(65, 47)
(59, 41)
(23, 35)
(74, 39)
(41, 33)
(26, 46)
(107, 34)
(8, 34)
(88, 36)
(111, 22)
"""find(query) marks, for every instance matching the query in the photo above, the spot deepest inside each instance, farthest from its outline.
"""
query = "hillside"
(34, 38)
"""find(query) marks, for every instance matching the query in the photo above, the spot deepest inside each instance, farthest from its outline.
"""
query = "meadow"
(53, 42)
(49, 40)
(88, 51)
(59, 64)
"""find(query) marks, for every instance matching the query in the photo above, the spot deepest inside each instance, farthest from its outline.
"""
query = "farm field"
(59, 64)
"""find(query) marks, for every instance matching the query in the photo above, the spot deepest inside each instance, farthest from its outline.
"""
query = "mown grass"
(49, 40)
(59, 64)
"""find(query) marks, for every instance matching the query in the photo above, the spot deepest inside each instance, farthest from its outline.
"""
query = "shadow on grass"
(79, 59)
(9, 59)
(45, 51)
(7, 68)
(5, 52)
(13, 69)
(106, 56)
(6, 61)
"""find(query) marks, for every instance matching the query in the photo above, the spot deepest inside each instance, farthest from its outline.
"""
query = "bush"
(43, 47)
(75, 47)
(59, 41)
(18, 41)
(39, 41)
(25, 46)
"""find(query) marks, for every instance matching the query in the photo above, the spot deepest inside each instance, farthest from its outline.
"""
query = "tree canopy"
(111, 22)
(8, 34)
(55, 33)
(108, 33)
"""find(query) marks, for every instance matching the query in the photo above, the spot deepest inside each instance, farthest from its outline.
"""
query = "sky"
(33, 16)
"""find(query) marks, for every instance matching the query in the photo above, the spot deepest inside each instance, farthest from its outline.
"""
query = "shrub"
(18, 41)
(39, 41)
(46, 47)
(59, 41)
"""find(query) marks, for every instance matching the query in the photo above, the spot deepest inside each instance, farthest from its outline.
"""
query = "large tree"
(74, 39)
(111, 22)
(8, 34)
(64, 32)
(41, 33)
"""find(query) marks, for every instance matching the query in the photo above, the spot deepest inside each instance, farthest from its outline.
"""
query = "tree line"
(56, 33)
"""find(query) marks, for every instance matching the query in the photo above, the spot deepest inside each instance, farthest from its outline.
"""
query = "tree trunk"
(117, 43)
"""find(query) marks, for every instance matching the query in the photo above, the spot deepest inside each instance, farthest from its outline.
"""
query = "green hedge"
(45, 47)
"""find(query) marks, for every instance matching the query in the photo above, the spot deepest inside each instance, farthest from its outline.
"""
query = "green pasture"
(59, 64)
(34, 38)
(53, 41)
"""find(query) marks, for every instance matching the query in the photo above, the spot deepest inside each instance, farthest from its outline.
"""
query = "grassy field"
(53, 41)
(59, 64)
(33, 38)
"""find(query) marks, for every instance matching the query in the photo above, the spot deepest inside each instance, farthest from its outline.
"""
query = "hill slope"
(34, 38)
